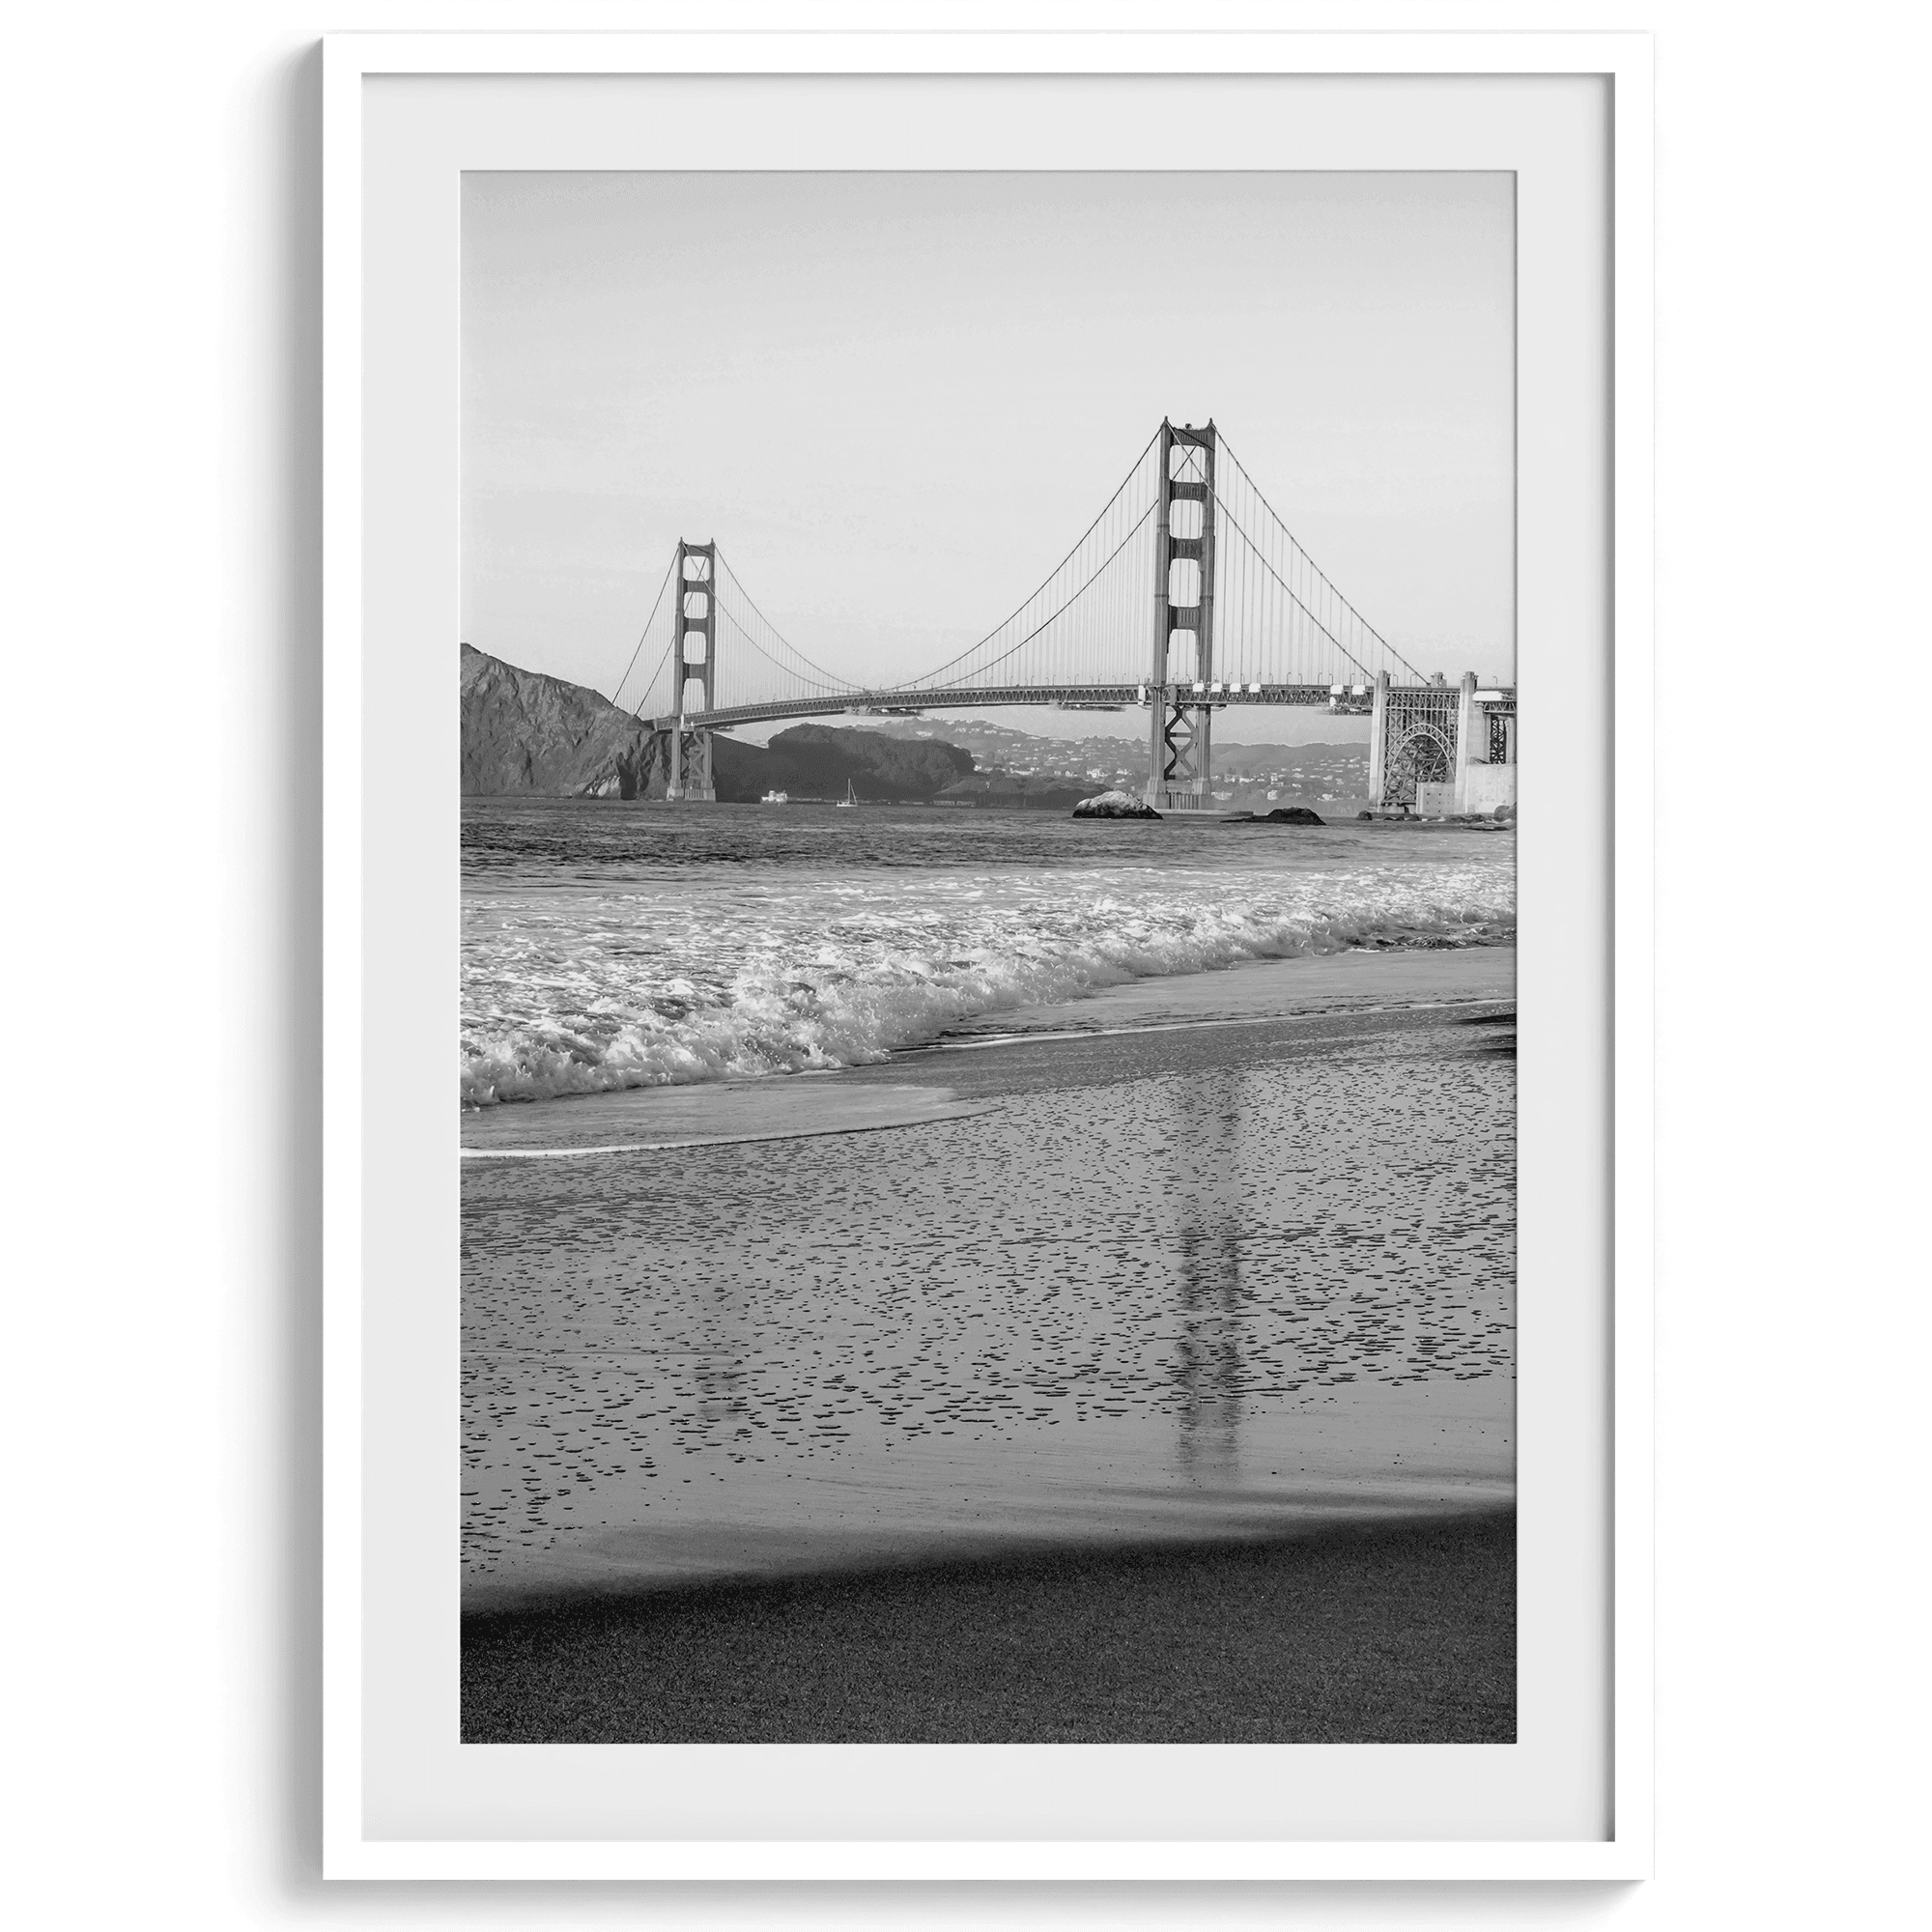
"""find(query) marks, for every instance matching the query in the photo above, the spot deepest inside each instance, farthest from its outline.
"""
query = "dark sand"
(1400, 1634)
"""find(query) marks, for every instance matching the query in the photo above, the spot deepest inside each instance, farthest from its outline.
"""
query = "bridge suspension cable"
(1066, 640)
(765, 637)
(1267, 633)
(1276, 549)
(657, 604)
(1277, 624)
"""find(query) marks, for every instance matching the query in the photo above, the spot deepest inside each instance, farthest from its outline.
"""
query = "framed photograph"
(1040, 1264)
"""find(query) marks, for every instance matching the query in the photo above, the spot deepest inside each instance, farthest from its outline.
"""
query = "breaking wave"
(601, 991)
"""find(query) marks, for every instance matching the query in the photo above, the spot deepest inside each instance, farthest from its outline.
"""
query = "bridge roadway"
(1355, 699)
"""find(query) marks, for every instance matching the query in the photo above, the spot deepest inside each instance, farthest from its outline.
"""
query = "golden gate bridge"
(1186, 595)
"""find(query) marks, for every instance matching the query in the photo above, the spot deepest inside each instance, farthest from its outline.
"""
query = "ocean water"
(609, 947)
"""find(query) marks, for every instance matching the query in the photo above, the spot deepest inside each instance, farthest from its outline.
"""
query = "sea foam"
(587, 990)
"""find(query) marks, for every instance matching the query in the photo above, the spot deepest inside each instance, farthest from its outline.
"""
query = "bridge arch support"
(1439, 748)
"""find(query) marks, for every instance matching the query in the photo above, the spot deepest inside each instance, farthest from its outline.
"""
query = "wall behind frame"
(165, 452)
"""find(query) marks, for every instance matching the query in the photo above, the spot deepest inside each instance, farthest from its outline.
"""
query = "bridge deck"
(915, 700)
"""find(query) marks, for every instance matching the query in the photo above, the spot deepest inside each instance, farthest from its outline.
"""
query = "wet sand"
(1235, 1265)
(1262, 989)
(732, 1113)
(1135, 1369)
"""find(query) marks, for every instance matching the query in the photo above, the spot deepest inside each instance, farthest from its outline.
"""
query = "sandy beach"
(1218, 1266)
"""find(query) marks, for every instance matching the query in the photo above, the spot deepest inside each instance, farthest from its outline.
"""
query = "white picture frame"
(367, 1384)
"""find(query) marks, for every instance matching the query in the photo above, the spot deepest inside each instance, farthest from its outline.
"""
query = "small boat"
(851, 797)
(776, 798)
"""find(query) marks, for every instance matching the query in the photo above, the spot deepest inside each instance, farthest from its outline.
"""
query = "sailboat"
(851, 797)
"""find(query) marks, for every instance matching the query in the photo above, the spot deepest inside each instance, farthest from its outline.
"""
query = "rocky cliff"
(527, 733)
(524, 732)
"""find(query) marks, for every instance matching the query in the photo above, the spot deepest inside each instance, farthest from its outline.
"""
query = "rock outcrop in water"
(1114, 804)
(1295, 815)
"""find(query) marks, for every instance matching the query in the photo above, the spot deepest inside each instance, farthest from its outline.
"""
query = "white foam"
(592, 992)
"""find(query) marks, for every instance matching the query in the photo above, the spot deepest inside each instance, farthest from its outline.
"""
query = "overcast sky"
(896, 400)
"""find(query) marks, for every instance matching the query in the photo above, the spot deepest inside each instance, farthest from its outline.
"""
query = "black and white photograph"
(986, 1087)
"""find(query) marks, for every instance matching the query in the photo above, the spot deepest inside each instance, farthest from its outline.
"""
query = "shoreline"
(1289, 988)
(1381, 985)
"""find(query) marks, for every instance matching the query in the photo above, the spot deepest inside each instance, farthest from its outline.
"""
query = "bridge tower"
(694, 649)
(1181, 719)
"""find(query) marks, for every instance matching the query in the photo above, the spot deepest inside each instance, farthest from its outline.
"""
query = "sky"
(896, 400)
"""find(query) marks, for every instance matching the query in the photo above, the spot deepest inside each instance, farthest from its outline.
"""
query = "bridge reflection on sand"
(1210, 1363)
